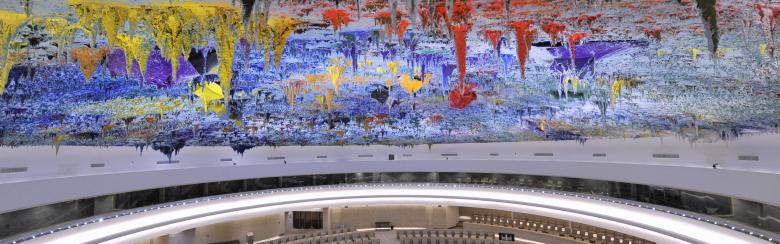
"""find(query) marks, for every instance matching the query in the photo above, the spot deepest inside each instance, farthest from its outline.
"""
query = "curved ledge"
(740, 184)
(634, 219)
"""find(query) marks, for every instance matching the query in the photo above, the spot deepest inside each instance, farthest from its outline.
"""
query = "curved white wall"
(644, 223)
(69, 175)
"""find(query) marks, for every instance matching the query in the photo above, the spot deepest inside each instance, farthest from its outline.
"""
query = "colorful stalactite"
(385, 18)
(617, 86)
(654, 33)
(494, 36)
(9, 22)
(461, 13)
(554, 31)
(401, 30)
(336, 18)
(281, 27)
(709, 14)
(175, 28)
(136, 48)
(227, 33)
(88, 59)
(462, 96)
(525, 36)
(768, 15)
(208, 93)
(410, 85)
(334, 75)
(575, 38)
(446, 71)
(292, 89)
(57, 27)
(460, 32)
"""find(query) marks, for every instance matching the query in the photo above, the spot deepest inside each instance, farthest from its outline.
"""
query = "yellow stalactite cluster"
(136, 48)
(175, 28)
(229, 28)
(281, 28)
(9, 22)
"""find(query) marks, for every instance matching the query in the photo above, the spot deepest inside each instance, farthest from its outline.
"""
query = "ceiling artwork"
(168, 74)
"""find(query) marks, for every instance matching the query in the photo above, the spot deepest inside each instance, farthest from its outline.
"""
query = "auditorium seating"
(451, 236)
(337, 236)
(561, 228)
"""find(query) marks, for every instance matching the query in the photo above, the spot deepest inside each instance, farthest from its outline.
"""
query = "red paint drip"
(336, 17)
(574, 38)
(525, 36)
(462, 96)
(768, 15)
(461, 31)
(494, 36)
(554, 30)
(401, 29)
(441, 13)
(654, 33)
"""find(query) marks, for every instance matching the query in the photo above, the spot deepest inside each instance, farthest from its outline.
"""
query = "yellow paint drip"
(762, 49)
(136, 48)
(281, 27)
(227, 28)
(410, 85)
(209, 93)
(393, 67)
(695, 52)
(617, 86)
(334, 73)
(175, 28)
(9, 22)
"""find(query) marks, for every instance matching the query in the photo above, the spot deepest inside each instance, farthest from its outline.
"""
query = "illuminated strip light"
(145, 225)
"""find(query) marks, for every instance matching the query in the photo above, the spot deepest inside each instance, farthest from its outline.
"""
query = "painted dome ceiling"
(167, 74)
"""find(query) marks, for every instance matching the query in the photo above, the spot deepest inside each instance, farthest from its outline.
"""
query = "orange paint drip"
(493, 36)
(554, 30)
(88, 59)
(461, 31)
(336, 17)
(525, 36)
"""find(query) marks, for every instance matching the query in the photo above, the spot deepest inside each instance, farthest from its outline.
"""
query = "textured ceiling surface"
(167, 74)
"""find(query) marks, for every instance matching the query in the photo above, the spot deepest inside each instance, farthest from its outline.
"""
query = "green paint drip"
(709, 15)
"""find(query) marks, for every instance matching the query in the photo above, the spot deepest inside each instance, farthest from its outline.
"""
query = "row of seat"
(335, 236)
(452, 233)
(435, 240)
(455, 236)
(562, 228)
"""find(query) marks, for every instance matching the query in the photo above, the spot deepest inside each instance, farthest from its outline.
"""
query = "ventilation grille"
(543, 154)
(322, 156)
(666, 155)
(748, 157)
(365, 156)
(275, 158)
(449, 154)
(225, 159)
(97, 165)
(599, 155)
(13, 170)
